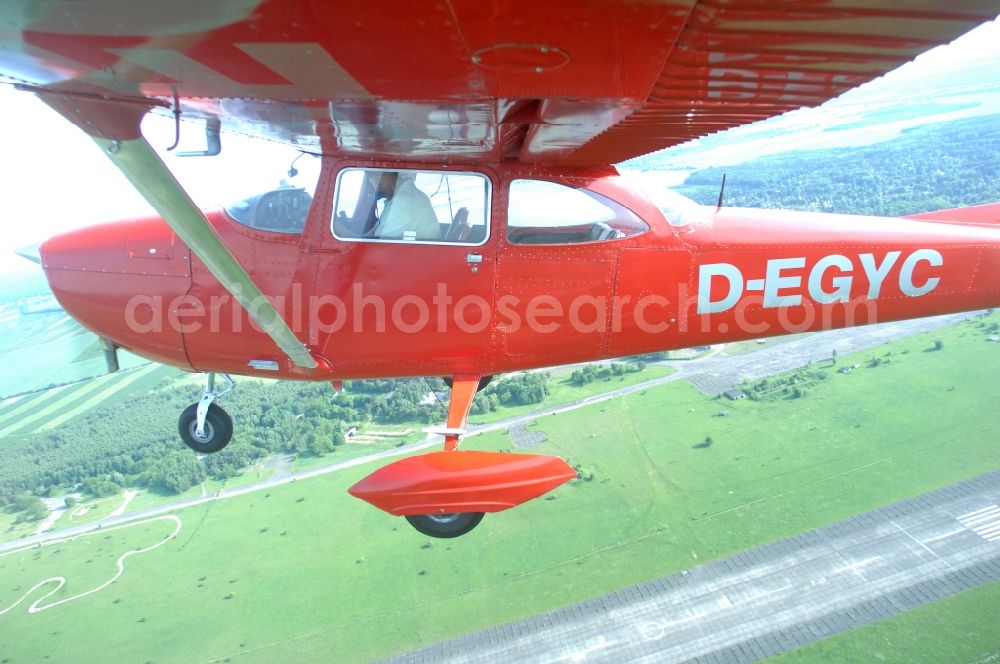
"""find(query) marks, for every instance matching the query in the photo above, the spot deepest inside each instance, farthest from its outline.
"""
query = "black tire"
(483, 382)
(218, 429)
(446, 526)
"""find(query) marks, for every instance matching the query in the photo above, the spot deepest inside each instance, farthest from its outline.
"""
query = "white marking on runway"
(981, 517)
(855, 567)
(984, 522)
(787, 586)
(921, 544)
(941, 537)
(979, 511)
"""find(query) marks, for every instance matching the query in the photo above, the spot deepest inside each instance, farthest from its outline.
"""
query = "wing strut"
(114, 124)
(151, 178)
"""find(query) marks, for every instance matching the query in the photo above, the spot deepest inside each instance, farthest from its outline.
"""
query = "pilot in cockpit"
(407, 213)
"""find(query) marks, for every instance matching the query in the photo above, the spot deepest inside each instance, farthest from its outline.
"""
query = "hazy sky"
(54, 178)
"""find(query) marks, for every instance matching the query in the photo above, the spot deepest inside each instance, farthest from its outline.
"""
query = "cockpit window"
(409, 206)
(278, 211)
(543, 212)
(285, 208)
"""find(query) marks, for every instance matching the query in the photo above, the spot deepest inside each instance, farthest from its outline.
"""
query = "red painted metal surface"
(787, 272)
(561, 81)
(463, 391)
(119, 280)
(980, 215)
(453, 482)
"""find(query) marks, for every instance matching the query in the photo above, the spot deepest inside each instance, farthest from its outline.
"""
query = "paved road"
(770, 599)
(728, 369)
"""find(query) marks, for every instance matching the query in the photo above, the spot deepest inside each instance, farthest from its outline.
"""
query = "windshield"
(282, 204)
(678, 209)
(279, 211)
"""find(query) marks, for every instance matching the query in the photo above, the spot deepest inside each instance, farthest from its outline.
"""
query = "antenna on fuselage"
(722, 190)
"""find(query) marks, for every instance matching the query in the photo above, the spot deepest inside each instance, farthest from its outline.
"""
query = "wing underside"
(560, 81)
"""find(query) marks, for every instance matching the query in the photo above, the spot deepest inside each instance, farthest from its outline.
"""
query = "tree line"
(925, 168)
(133, 441)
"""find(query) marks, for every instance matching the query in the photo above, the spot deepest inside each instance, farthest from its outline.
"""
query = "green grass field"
(11, 530)
(46, 410)
(960, 628)
(303, 572)
(45, 349)
(100, 553)
(562, 391)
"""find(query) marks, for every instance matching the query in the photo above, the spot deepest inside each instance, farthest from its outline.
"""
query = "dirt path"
(49, 521)
(60, 581)
(126, 499)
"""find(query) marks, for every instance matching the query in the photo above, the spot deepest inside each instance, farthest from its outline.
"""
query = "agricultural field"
(43, 349)
(49, 409)
(304, 572)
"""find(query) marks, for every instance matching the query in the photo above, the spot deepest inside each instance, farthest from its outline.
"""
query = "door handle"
(474, 258)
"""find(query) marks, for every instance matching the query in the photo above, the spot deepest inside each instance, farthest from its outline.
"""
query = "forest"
(930, 167)
(110, 448)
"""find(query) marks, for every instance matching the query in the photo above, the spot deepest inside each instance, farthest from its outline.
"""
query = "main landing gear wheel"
(216, 434)
(446, 525)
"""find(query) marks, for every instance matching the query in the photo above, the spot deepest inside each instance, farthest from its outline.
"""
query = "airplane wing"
(553, 81)
(589, 82)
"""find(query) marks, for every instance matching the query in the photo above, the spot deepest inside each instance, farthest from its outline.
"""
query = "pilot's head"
(386, 185)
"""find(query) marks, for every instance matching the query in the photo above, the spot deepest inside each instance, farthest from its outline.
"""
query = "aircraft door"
(557, 270)
(405, 282)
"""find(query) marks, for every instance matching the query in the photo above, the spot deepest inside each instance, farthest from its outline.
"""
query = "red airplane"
(466, 221)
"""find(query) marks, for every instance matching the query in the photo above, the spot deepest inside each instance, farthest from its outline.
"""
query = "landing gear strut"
(463, 391)
(204, 426)
(446, 493)
(484, 382)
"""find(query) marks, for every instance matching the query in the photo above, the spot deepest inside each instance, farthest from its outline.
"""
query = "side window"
(543, 212)
(410, 206)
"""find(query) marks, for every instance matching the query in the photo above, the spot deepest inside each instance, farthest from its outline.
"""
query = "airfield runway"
(770, 599)
(717, 373)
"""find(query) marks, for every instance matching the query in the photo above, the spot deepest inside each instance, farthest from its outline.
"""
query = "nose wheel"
(204, 426)
(446, 525)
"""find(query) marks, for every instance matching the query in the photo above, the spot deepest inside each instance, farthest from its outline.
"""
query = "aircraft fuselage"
(514, 294)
